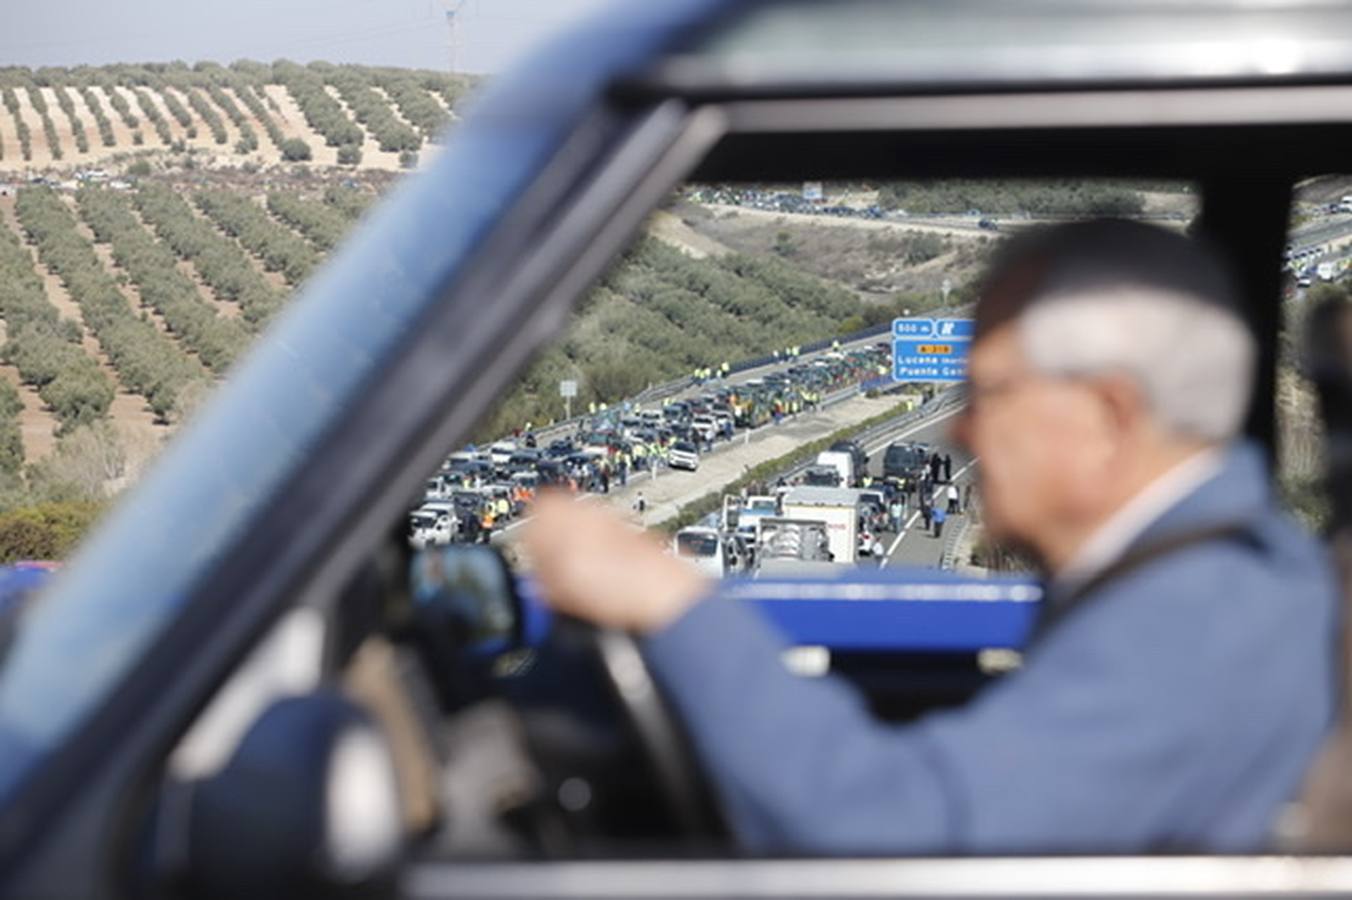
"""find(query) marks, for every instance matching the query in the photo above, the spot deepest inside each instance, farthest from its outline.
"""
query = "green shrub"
(295, 150)
(46, 531)
(349, 155)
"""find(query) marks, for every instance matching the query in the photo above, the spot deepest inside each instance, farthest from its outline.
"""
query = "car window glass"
(735, 372)
(1314, 270)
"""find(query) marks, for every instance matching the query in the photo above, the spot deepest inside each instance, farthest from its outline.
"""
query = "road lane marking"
(906, 529)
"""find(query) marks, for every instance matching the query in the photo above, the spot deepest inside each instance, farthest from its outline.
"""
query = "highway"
(914, 546)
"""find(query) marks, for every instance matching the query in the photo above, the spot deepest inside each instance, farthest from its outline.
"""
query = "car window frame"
(688, 130)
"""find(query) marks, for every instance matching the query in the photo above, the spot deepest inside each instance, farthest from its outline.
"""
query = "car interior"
(491, 750)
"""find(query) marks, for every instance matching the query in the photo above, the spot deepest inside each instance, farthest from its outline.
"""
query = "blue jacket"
(1178, 707)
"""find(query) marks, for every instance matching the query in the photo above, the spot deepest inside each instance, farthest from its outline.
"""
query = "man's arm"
(1178, 709)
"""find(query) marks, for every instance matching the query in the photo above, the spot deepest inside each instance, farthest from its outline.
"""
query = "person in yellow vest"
(591, 408)
(501, 508)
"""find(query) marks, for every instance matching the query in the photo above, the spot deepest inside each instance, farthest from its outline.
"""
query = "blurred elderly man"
(1182, 674)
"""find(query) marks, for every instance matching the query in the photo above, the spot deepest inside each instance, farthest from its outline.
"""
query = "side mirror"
(464, 597)
(307, 806)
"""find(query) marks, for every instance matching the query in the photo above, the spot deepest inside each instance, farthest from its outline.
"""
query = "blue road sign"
(904, 328)
(954, 329)
(929, 359)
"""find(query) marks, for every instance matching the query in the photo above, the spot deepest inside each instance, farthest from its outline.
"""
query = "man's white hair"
(1193, 360)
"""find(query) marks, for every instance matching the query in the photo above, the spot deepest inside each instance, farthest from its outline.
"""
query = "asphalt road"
(915, 547)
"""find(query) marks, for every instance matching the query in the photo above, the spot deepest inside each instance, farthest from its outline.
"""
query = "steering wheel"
(663, 742)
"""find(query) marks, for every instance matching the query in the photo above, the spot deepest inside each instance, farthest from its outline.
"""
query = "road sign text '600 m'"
(930, 349)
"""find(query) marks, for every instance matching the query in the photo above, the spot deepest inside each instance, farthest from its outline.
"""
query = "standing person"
(1184, 673)
(605, 477)
(938, 516)
(935, 465)
(948, 468)
(640, 504)
(952, 493)
(896, 511)
(926, 511)
(469, 526)
(967, 498)
(487, 520)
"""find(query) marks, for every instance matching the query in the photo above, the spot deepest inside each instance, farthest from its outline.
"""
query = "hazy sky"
(490, 33)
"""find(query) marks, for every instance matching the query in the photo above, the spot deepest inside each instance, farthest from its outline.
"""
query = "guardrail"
(939, 403)
(948, 559)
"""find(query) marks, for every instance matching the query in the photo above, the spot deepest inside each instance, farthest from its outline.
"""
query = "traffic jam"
(480, 490)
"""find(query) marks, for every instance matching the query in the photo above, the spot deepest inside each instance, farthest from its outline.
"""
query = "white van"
(842, 462)
(703, 547)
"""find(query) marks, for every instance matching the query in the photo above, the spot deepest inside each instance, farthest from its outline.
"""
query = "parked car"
(683, 455)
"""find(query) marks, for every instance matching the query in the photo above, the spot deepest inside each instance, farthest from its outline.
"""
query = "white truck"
(837, 507)
(842, 462)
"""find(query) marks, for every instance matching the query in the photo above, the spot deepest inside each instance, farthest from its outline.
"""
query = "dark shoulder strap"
(1056, 609)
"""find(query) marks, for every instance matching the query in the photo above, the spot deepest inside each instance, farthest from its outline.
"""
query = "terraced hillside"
(355, 116)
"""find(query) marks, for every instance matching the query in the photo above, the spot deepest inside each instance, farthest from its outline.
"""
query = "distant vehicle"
(822, 476)
(702, 546)
(435, 489)
(843, 461)
(430, 527)
(683, 455)
(560, 448)
(837, 507)
(501, 452)
(1345, 204)
(706, 426)
(987, 225)
(854, 449)
(905, 460)
(803, 540)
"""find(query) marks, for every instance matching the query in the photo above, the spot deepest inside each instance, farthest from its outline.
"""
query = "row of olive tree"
(216, 340)
(153, 115)
(77, 129)
(248, 137)
(20, 126)
(147, 362)
(324, 114)
(351, 202)
(321, 223)
(39, 104)
(95, 107)
(1077, 197)
(370, 108)
(660, 314)
(105, 81)
(217, 258)
(44, 347)
(279, 248)
(414, 101)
